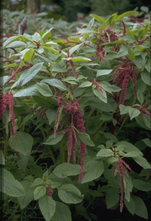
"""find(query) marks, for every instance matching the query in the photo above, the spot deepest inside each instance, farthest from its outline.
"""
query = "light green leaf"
(146, 77)
(21, 142)
(26, 92)
(16, 44)
(62, 213)
(66, 169)
(11, 186)
(105, 153)
(52, 141)
(98, 93)
(51, 115)
(39, 192)
(147, 141)
(29, 196)
(80, 59)
(28, 54)
(55, 83)
(44, 89)
(103, 72)
(47, 207)
(98, 18)
(85, 84)
(94, 169)
(52, 50)
(68, 193)
(140, 207)
(74, 48)
(126, 14)
(142, 162)
(85, 138)
(133, 154)
(37, 182)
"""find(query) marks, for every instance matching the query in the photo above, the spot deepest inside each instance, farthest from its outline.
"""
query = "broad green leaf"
(123, 52)
(47, 207)
(85, 138)
(80, 59)
(26, 92)
(133, 154)
(66, 169)
(130, 205)
(108, 87)
(9, 40)
(74, 48)
(39, 192)
(142, 162)
(98, 18)
(146, 77)
(128, 147)
(16, 44)
(147, 141)
(94, 169)
(52, 50)
(28, 55)
(69, 194)
(140, 207)
(142, 185)
(112, 197)
(127, 187)
(105, 153)
(2, 159)
(37, 182)
(55, 83)
(126, 14)
(85, 84)
(51, 115)
(21, 142)
(52, 141)
(11, 186)
(47, 34)
(103, 72)
(148, 65)
(130, 39)
(44, 89)
(29, 196)
(98, 93)
(62, 213)
(131, 54)
(133, 112)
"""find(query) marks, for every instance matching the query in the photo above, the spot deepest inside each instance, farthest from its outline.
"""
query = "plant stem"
(122, 125)
(100, 124)
(62, 152)
(89, 116)
(11, 217)
(51, 155)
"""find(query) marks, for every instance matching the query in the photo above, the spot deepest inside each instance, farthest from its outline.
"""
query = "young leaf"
(47, 207)
(68, 193)
(126, 14)
(21, 142)
(28, 54)
(11, 186)
(52, 141)
(85, 138)
(39, 192)
(62, 213)
(37, 182)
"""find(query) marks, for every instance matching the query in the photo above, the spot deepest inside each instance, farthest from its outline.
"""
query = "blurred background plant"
(69, 10)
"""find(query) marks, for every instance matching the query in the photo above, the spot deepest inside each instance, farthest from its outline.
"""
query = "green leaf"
(51, 115)
(68, 193)
(9, 40)
(39, 192)
(28, 54)
(147, 141)
(85, 84)
(128, 109)
(131, 53)
(105, 153)
(11, 186)
(55, 83)
(29, 196)
(52, 50)
(103, 72)
(21, 142)
(133, 154)
(140, 207)
(127, 187)
(37, 182)
(128, 147)
(126, 14)
(98, 18)
(26, 92)
(146, 77)
(130, 205)
(66, 169)
(142, 162)
(85, 138)
(141, 185)
(74, 48)
(94, 169)
(47, 207)
(123, 51)
(62, 213)
(52, 141)
(44, 89)
(112, 197)
(148, 65)
(16, 44)
(80, 59)
(98, 93)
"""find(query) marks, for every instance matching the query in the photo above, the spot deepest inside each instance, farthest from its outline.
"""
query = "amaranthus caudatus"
(75, 122)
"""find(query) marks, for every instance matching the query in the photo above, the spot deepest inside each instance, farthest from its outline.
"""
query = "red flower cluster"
(123, 74)
(75, 121)
(120, 165)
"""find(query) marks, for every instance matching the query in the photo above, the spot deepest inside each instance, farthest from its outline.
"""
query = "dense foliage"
(76, 116)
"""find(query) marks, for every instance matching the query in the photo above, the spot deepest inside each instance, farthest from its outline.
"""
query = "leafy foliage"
(74, 100)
